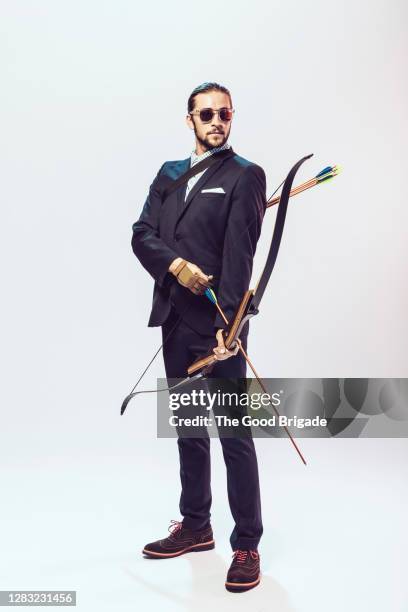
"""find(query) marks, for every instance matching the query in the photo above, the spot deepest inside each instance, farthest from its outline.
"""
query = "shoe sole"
(239, 587)
(195, 548)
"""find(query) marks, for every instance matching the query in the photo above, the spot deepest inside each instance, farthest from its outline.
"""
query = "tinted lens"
(225, 114)
(206, 114)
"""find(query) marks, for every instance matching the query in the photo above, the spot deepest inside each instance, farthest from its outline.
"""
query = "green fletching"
(326, 178)
(327, 173)
(211, 295)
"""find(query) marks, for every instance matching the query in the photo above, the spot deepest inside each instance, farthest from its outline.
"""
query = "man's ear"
(189, 122)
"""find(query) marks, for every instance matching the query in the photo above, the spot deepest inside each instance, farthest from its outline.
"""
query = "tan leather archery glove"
(220, 351)
(190, 276)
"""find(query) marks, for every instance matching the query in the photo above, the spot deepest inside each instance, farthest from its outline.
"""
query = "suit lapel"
(181, 191)
(183, 205)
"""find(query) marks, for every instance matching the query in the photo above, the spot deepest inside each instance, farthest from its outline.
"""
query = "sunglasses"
(206, 114)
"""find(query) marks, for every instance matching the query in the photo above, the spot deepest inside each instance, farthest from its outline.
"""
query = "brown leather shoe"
(180, 541)
(244, 573)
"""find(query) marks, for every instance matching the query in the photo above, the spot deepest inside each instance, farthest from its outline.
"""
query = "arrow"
(324, 175)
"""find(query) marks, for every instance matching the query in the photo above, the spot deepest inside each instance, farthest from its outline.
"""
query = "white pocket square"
(213, 190)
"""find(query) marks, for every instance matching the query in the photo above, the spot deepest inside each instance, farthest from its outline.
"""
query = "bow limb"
(182, 383)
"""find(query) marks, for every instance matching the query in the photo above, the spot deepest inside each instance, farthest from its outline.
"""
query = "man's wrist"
(175, 264)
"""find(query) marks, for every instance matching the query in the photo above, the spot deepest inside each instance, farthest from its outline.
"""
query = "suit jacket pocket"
(213, 196)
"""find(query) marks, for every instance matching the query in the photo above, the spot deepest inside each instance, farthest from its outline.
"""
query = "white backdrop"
(93, 102)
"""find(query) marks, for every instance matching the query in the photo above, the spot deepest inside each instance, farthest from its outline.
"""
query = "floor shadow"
(208, 573)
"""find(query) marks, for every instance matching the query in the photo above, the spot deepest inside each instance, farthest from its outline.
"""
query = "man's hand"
(220, 351)
(190, 276)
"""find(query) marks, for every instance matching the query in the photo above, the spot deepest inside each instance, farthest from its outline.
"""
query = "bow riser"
(231, 333)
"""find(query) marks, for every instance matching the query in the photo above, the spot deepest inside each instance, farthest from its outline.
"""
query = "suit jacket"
(216, 231)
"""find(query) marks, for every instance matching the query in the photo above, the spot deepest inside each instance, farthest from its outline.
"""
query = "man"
(205, 232)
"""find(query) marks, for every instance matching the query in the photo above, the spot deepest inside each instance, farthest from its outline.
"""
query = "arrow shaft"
(320, 178)
(307, 185)
(258, 378)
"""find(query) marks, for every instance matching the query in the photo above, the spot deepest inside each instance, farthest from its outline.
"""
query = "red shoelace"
(241, 555)
(175, 526)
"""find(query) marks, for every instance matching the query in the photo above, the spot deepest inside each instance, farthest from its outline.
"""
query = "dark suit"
(218, 232)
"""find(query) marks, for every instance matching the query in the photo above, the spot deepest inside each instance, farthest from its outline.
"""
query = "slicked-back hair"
(204, 88)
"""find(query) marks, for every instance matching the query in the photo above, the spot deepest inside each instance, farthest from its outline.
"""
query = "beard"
(205, 142)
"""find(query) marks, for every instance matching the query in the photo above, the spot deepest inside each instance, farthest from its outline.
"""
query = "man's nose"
(216, 119)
